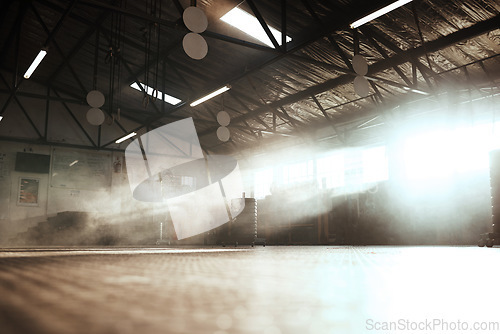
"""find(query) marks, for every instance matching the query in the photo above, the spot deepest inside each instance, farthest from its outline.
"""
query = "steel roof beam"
(13, 96)
(386, 56)
(47, 112)
(375, 34)
(170, 24)
(78, 46)
(59, 23)
(42, 97)
(16, 28)
(77, 121)
(328, 118)
(283, 25)
(59, 50)
(58, 144)
(263, 23)
(340, 22)
(431, 46)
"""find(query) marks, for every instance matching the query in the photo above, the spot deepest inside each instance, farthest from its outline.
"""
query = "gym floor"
(265, 290)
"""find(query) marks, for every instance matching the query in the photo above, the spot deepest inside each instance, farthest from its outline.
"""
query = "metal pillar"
(493, 238)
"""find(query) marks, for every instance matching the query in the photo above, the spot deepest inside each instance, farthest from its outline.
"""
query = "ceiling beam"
(132, 13)
(417, 23)
(239, 42)
(283, 25)
(386, 56)
(47, 112)
(179, 7)
(263, 23)
(340, 21)
(77, 122)
(4, 10)
(58, 144)
(175, 25)
(13, 96)
(16, 29)
(93, 29)
(377, 35)
(431, 46)
(28, 117)
(341, 53)
(328, 118)
(59, 50)
(59, 23)
(43, 97)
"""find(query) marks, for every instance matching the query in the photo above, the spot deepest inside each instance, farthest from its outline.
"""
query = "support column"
(493, 238)
(495, 189)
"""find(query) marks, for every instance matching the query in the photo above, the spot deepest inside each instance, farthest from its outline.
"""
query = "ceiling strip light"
(249, 24)
(395, 84)
(126, 137)
(154, 93)
(379, 13)
(209, 96)
(35, 64)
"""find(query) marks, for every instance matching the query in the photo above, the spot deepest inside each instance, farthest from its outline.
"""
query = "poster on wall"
(117, 165)
(28, 191)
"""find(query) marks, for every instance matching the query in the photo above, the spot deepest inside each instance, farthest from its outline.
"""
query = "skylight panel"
(150, 91)
(249, 24)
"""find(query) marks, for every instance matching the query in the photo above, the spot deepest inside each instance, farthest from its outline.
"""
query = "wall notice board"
(80, 170)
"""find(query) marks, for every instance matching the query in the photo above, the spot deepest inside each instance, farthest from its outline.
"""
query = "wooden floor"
(265, 290)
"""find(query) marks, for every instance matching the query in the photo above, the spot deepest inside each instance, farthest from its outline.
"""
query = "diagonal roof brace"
(432, 46)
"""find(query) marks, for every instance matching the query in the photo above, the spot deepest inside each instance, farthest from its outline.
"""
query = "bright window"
(263, 180)
(249, 24)
(375, 165)
(442, 153)
(151, 92)
(298, 172)
(330, 171)
(347, 169)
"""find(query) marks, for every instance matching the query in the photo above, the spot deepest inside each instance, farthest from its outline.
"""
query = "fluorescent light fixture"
(73, 163)
(419, 92)
(249, 24)
(35, 64)
(1, 117)
(395, 84)
(126, 137)
(379, 13)
(151, 92)
(209, 96)
(415, 90)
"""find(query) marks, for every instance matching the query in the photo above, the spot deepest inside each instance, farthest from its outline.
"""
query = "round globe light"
(195, 19)
(195, 46)
(95, 99)
(223, 133)
(360, 65)
(361, 86)
(95, 116)
(223, 118)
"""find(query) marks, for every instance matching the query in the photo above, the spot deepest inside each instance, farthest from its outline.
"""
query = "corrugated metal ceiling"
(277, 95)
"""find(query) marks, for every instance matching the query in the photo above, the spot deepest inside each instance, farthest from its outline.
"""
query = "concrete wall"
(101, 190)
